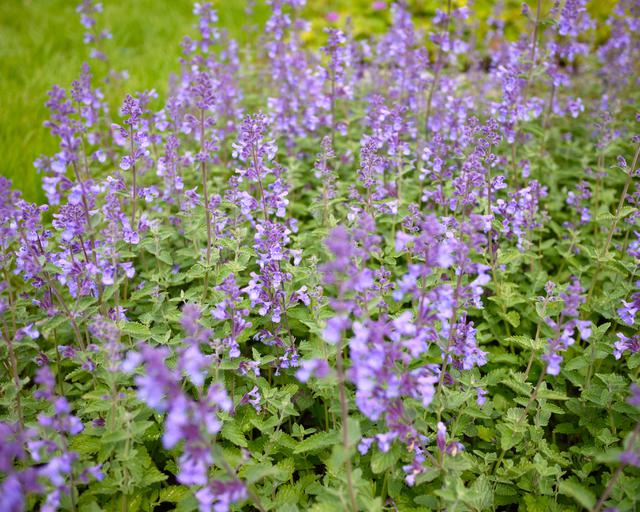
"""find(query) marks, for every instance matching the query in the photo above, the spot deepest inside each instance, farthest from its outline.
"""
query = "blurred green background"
(41, 45)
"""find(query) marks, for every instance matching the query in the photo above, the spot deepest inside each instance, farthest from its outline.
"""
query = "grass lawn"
(40, 45)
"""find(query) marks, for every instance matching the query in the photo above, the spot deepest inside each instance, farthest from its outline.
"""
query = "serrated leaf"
(354, 432)
(231, 267)
(197, 271)
(510, 255)
(516, 382)
(317, 442)
(480, 494)
(526, 342)
(173, 493)
(605, 216)
(84, 444)
(634, 361)
(255, 473)
(232, 432)
(513, 318)
(136, 330)
(626, 211)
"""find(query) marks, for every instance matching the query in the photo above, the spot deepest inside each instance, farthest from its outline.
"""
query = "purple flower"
(318, 368)
(249, 366)
(553, 361)
(464, 348)
(632, 344)
(630, 309)
(441, 437)
(384, 441)
(193, 421)
(335, 328)
(454, 448)
(252, 397)
(194, 465)
(29, 330)
(579, 200)
(634, 399)
(190, 319)
(520, 214)
(252, 149)
(218, 496)
(230, 309)
(364, 445)
(481, 396)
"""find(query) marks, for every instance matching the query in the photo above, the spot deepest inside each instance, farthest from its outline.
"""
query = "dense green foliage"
(423, 301)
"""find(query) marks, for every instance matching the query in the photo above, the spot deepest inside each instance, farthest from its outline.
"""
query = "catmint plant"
(383, 257)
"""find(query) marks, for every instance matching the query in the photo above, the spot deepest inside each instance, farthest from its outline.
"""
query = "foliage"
(394, 272)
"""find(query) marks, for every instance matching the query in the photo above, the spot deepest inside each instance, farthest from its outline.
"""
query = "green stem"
(344, 413)
(454, 318)
(135, 189)
(54, 290)
(207, 213)
(532, 58)
(614, 224)
(13, 363)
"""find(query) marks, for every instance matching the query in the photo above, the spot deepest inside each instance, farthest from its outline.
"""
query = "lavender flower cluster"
(332, 292)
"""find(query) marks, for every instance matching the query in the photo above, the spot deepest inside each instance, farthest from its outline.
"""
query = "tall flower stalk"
(205, 100)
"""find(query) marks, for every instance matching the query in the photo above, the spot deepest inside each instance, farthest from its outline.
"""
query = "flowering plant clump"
(396, 272)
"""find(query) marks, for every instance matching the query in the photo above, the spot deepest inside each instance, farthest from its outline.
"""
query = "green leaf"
(552, 395)
(508, 438)
(480, 494)
(626, 211)
(634, 361)
(577, 363)
(115, 437)
(136, 330)
(510, 255)
(516, 382)
(318, 442)
(142, 468)
(513, 318)
(526, 342)
(381, 461)
(173, 493)
(232, 432)
(165, 257)
(197, 271)
(566, 428)
(231, 267)
(84, 444)
(354, 432)
(578, 492)
(605, 216)
(549, 309)
(255, 473)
